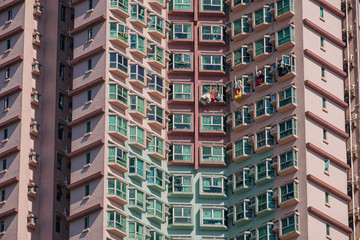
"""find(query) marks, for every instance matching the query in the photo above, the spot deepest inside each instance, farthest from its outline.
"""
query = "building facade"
(188, 119)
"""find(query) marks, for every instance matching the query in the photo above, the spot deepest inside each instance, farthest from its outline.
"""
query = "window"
(180, 91)
(156, 114)
(88, 158)
(213, 154)
(241, 26)
(118, 124)
(119, 93)
(86, 222)
(265, 202)
(287, 96)
(59, 162)
(137, 72)
(180, 152)
(118, 31)
(121, 4)
(326, 165)
(266, 232)
(213, 123)
(212, 5)
(156, 176)
(180, 122)
(156, 23)
(212, 62)
(62, 42)
(289, 191)
(6, 103)
(264, 138)
(137, 135)
(58, 193)
(117, 155)
(285, 35)
(289, 224)
(88, 95)
(156, 53)
(212, 185)
(3, 195)
(137, 42)
(117, 188)
(61, 129)
(327, 230)
(61, 101)
(242, 211)
(180, 31)
(180, 184)
(137, 166)
(242, 117)
(116, 220)
(5, 134)
(156, 236)
(212, 88)
(242, 147)
(180, 61)
(88, 126)
(326, 197)
(7, 73)
(2, 226)
(90, 4)
(212, 33)
(156, 83)
(287, 128)
(324, 134)
(90, 32)
(136, 231)
(180, 5)
(264, 107)
(180, 215)
(322, 72)
(321, 12)
(241, 56)
(263, 46)
(288, 159)
(262, 16)
(87, 190)
(213, 216)
(62, 71)
(9, 15)
(118, 61)
(155, 208)
(89, 65)
(58, 224)
(324, 103)
(62, 13)
(284, 6)
(156, 145)
(264, 170)
(4, 165)
(138, 12)
(322, 40)
(136, 198)
(137, 104)
(8, 44)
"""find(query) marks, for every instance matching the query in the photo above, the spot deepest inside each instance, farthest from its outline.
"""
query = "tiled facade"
(189, 119)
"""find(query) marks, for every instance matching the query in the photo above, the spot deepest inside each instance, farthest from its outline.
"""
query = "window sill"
(88, 71)
(2, 202)
(87, 165)
(325, 110)
(325, 141)
(88, 102)
(327, 205)
(3, 172)
(7, 51)
(322, 19)
(86, 197)
(6, 110)
(8, 22)
(89, 41)
(7, 80)
(322, 78)
(87, 134)
(4, 141)
(89, 11)
(327, 173)
(323, 49)
(85, 230)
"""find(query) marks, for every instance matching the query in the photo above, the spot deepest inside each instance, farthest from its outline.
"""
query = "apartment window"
(86, 222)
(137, 134)
(289, 224)
(137, 72)
(4, 165)
(58, 193)
(117, 155)
(156, 23)
(180, 153)
(118, 31)
(212, 62)
(63, 13)
(322, 42)
(58, 224)
(90, 33)
(180, 184)
(212, 185)
(262, 16)
(264, 170)
(241, 26)
(59, 162)
(212, 33)
(285, 35)
(284, 6)
(6, 103)
(2, 226)
(137, 42)
(213, 123)
(156, 176)
(136, 230)
(87, 190)
(136, 198)
(156, 236)
(9, 15)
(180, 61)
(287, 128)
(88, 126)
(242, 147)
(61, 101)
(117, 187)
(213, 216)
(180, 31)
(266, 232)
(326, 165)
(288, 159)
(242, 211)
(265, 202)
(156, 145)
(5, 134)
(213, 154)
(3, 195)
(156, 53)
(321, 12)
(324, 134)
(119, 93)
(180, 122)
(137, 166)
(242, 117)
(155, 208)
(324, 102)
(156, 114)
(263, 107)
(179, 5)
(137, 104)
(327, 230)
(116, 220)
(263, 46)
(118, 124)
(62, 71)
(264, 138)
(241, 56)
(212, 88)
(88, 158)
(90, 4)
(180, 215)
(156, 83)
(212, 5)
(287, 96)
(289, 191)
(7, 73)
(326, 197)
(62, 42)
(121, 4)
(8, 44)
(61, 129)
(180, 91)
(89, 64)
(322, 72)
(138, 12)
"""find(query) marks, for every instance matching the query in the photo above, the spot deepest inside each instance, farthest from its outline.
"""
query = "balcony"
(160, 4)
(35, 98)
(212, 93)
(155, 213)
(34, 128)
(242, 88)
(212, 8)
(118, 96)
(36, 68)
(242, 150)
(156, 117)
(31, 221)
(181, 186)
(119, 35)
(118, 65)
(263, 110)
(263, 49)
(180, 8)
(180, 33)
(264, 172)
(287, 162)
(285, 68)
(242, 119)
(156, 27)
(212, 125)
(285, 38)
(38, 9)
(262, 19)
(241, 59)
(137, 45)
(213, 156)
(138, 15)
(242, 181)
(182, 220)
(263, 79)
(119, 8)
(264, 141)
(36, 39)
(240, 29)
(33, 159)
(284, 11)
(212, 187)
(32, 192)
(238, 5)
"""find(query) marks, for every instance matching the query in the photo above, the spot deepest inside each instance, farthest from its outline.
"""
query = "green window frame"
(136, 198)
(156, 145)
(212, 62)
(137, 134)
(241, 26)
(287, 128)
(212, 123)
(137, 42)
(288, 159)
(262, 16)
(156, 114)
(241, 116)
(284, 6)
(180, 5)
(136, 166)
(287, 96)
(118, 124)
(156, 176)
(156, 53)
(180, 61)
(180, 152)
(155, 208)
(242, 147)
(264, 138)
(180, 122)
(241, 56)
(180, 31)
(118, 93)
(180, 91)
(213, 154)
(180, 184)
(118, 61)
(212, 5)
(116, 220)
(321, 12)
(117, 187)
(212, 33)
(212, 185)
(117, 155)
(137, 12)
(137, 104)
(156, 23)
(119, 31)
(122, 4)
(285, 35)
(213, 216)
(289, 224)
(136, 231)
(289, 191)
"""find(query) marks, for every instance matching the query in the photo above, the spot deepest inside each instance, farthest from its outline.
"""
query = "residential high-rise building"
(188, 119)
(35, 107)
